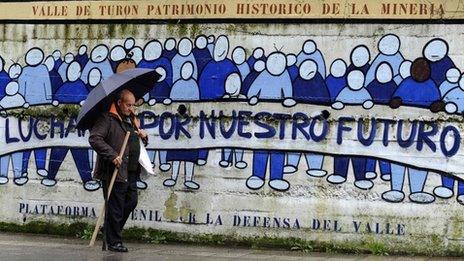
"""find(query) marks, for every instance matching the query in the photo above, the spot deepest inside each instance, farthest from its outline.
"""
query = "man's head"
(126, 102)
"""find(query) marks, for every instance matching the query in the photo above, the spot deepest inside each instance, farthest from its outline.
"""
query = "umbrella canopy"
(139, 81)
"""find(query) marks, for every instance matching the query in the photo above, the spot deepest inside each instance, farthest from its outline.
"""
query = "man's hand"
(117, 161)
(142, 134)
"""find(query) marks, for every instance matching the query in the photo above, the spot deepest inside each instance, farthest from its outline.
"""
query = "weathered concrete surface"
(31, 247)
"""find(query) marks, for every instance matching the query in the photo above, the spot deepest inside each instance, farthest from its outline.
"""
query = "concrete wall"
(410, 201)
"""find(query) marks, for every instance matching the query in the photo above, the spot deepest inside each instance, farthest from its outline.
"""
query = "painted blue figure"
(274, 83)
(292, 67)
(239, 59)
(383, 86)
(34, 81)
(35, 87)
(308, 87)
(16, 161)
(201, 52)
(169, 50)
(82, 58)
(336, 80)
(454, 99)
(451, 82)
(354, 93)
(214, 75)
(436, 53)
(360, 57)
(259, 66)
(184, 55)
(381, 90)
(418, 89)
(73, 91)
(257, 55)
(55, 77)
(233, 91)
(310, 52)
(98, 59)
(4, 78)
(405, 72)
(446, 189)
(57, 58)
(389, 52)
(152, 59)
(184, 89)
(68, 58)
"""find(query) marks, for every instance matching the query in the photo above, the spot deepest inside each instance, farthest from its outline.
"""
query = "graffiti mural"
(207, 69)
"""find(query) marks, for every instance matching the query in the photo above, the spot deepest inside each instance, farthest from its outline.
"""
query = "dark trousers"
(122, 202)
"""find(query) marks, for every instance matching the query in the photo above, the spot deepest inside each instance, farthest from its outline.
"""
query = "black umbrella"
(139, 81)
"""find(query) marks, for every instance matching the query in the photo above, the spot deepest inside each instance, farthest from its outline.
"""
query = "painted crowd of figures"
(207, 70)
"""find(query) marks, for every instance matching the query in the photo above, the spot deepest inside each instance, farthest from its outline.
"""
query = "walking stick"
(110, 187)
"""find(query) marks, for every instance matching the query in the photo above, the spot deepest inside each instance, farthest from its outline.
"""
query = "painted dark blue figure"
(82, 59)
(381, 93)
(363, 68)
(213, 78)
(202, 57)
(163, 88)
(311, 91)
(293, 71)
(252, 60)
(40, 156)
(251, 77)
(385, 168)
(168, 54)
(81, 159)
(449, 183)
(57, 64)
(439, 68)
(414, 93)
(4, 80)
(260, 160)
(71, 92)
(55, 80)
(335, 85)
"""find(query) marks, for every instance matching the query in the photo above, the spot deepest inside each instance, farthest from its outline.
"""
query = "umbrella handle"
(110, 188)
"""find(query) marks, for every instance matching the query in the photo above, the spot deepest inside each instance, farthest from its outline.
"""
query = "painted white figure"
(239, 59)
(68, 58)
(98, 59)
(117, 54)
(274, 83)
(257, 55)
(389, 52)
(451, 82)
(186, 88)
(15, 71)
(310, 52)
(136, 54)
(454, 99)
(405, 72)
(34, 81)
(184, 55)
(354, 93)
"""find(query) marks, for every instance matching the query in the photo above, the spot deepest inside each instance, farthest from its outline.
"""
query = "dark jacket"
(106, 138)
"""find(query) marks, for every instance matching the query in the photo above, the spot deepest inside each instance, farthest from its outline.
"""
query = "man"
(106, 138)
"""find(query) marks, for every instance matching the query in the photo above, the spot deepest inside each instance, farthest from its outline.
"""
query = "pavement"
(24, 247)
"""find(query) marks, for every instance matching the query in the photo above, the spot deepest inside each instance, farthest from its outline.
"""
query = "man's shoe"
(118, 247)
